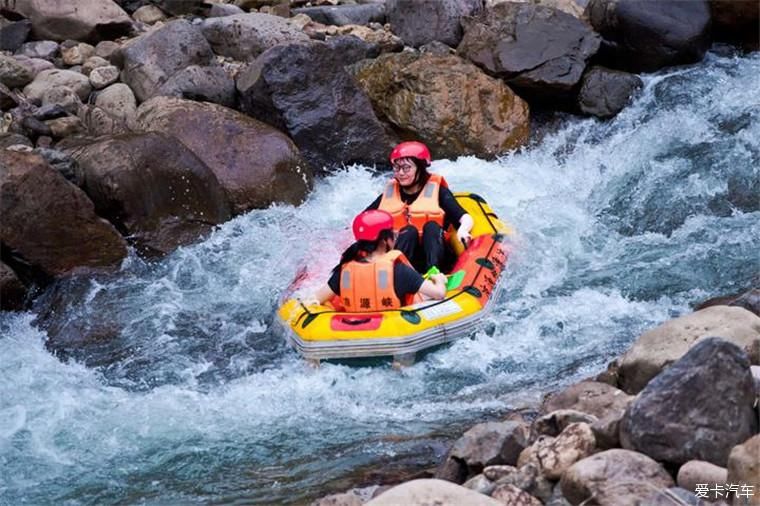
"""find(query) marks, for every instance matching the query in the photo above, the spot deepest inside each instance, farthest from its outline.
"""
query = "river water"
(188, 395)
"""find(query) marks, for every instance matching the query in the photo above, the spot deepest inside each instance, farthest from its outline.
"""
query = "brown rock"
(486, 444)
(255, 163)
(614, 478)
(446, 102)
(509, 495)
(554, 455)
(65, 127)
(75, 53)
(659, 347)
(695, 472)
(50, 223)
(556, 421)
(744, 468)
(153, 189)
(592, 397)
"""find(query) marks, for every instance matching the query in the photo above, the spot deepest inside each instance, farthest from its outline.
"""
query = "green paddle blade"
(455, 279)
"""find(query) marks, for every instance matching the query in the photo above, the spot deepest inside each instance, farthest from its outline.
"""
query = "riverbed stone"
(12, 290)
(101, 77)
(13, 33)
(303, 89)
(659, 347)
(676, 418)
(491, 443)
(556, 421)
(509, 41)
(49, 223)
(65, 127)
(614, 478)
(92, 63)
(255, 163)
(75, 53)
(647, 36)
(218, 10)
(245, 36)
(695, 472)
(531, 479)
(149, 14)
(153, 189)
(14, 74)
(749, 300)
(744, 468)
(418, 23)
(480, 484)
(509, 495)
(204, 84)
(605, 92)
(592, 397)
(346, 14)
(48, 79)
(154, 57)
(427, 492)
(43, 49)
(446, 102)
(91, 20)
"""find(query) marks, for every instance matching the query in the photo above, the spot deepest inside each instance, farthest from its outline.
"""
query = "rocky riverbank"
(221, 107)
(675, 420)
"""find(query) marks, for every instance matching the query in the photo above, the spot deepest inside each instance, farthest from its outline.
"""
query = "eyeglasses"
(403, 166)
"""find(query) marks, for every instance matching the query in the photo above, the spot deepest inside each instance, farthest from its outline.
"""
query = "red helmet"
(369, 224)
(412, 149)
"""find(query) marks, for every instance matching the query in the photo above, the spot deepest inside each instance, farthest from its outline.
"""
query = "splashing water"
(184, 393)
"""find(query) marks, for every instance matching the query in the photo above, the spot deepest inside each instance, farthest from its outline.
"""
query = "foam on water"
(190, 396)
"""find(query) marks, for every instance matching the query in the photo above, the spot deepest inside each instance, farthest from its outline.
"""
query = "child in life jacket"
(422, 207)
(372, 276)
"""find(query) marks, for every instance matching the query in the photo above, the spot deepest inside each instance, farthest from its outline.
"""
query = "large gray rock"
(303, 89)
(418, 23)
(614, 478)
(151, 59)
(255, 163)
(646, 36)
(490, 443)
(510, 41)
(657, 348)
(80, 20)
(205, 84)
(676, 418)
(340, 15)
(153, 189)
(605, 92)
(431, 492)
(736, 21)
(12, 290)
(246, 36)
(50, 224)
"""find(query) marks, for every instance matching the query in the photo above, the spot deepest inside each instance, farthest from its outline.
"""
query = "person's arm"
(456, 215)
(434, 287)
(324, 294)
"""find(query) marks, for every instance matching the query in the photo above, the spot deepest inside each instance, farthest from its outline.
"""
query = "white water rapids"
(189, 397)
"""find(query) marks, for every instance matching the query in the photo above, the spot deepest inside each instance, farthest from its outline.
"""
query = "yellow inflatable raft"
(326, 332)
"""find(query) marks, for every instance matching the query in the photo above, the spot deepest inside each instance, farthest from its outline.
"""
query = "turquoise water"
(185, 393)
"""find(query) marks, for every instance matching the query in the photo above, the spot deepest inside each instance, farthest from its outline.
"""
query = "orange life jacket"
(368, 286)
(425, 207)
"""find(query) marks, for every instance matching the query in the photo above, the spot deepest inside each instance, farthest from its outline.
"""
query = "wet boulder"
(12, 290)
(659, 347)
(49, 224)
(614, 478)
(418, 23)
(246, 36)
(255, 163)
(510, 41)
(647, 36)
(304, 90)
(347, 14)
(446, 102)
(736, 21)
(89, 20)
(490, 443)
(154, 57)
(153, 189)
(749, 300)
(605, 92)
(427, 492)
(677, 417)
